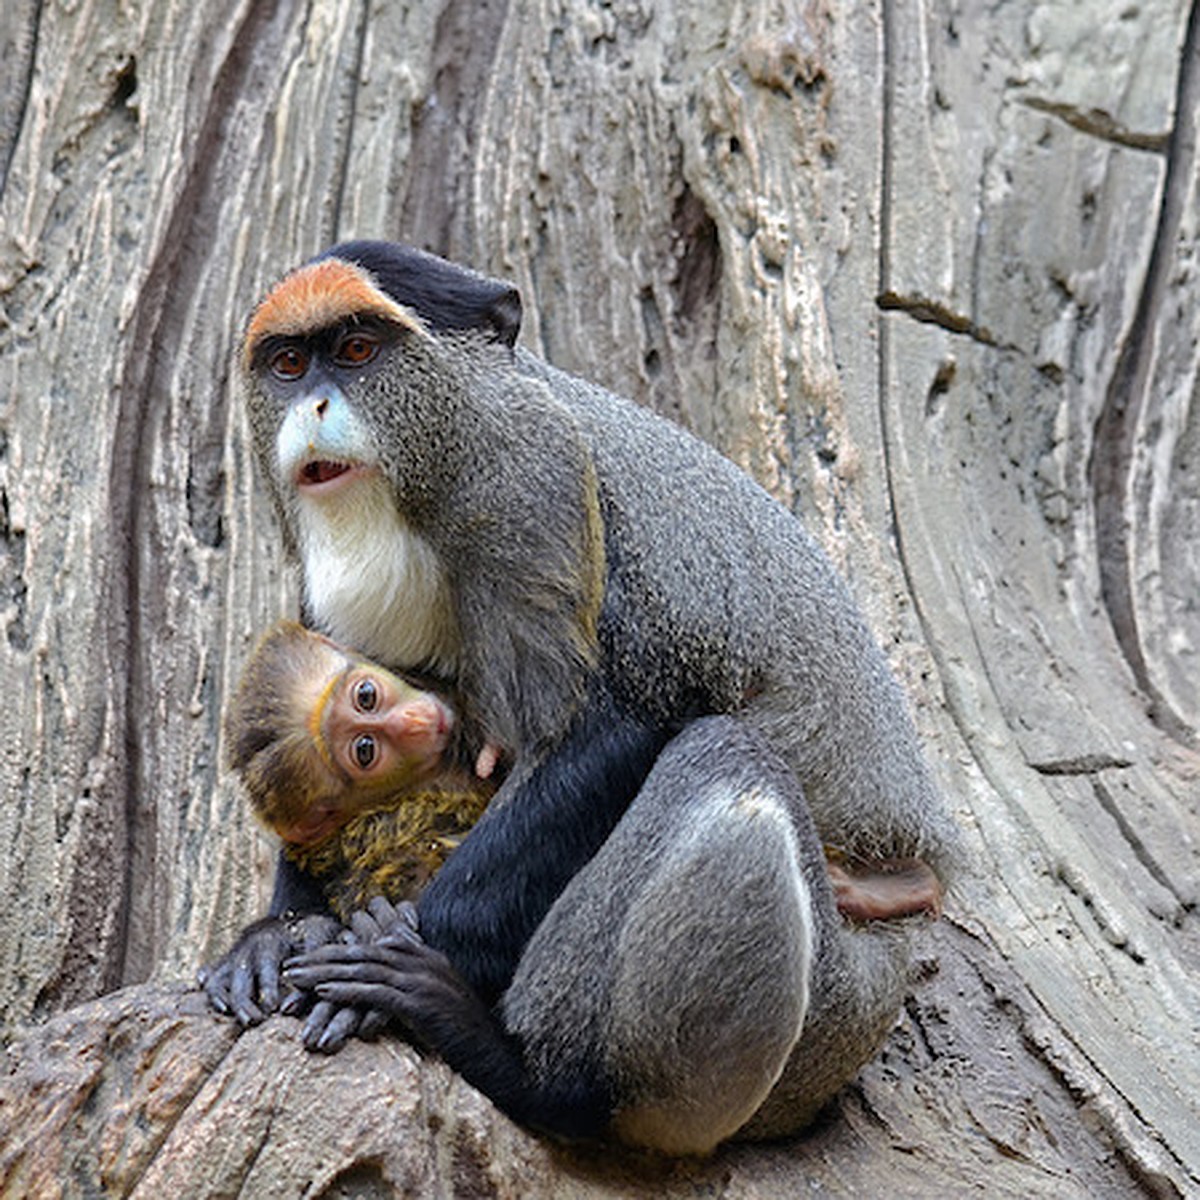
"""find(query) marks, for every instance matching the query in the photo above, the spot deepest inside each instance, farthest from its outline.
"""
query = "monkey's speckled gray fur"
(695, 970)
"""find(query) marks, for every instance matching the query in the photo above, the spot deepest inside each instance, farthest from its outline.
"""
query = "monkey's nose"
(421, 721)
(321, 407)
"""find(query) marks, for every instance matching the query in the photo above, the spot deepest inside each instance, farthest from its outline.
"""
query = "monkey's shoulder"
(653, 466)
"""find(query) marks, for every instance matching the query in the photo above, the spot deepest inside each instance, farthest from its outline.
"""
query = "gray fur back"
(754, 619)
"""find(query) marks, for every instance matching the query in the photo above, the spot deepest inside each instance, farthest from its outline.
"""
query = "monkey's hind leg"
(680, 956)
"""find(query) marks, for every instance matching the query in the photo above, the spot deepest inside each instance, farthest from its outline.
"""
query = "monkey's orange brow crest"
(319, 295)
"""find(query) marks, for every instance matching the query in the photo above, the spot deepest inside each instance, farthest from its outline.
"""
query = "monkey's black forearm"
(295, 891)
(490, 1059)
(483, 906)
(416, 986)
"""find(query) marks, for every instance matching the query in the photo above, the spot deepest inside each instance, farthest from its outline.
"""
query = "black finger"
(383, 911)
(406, 914)
(296, 1003)
(364, 926)
(266, 968)
(242, 995)
(339, 1031)
(318, 1021)
(218, 996)
(373, 1023)
(311, 975)
(335, 952)
(401, 936)
(364, 996)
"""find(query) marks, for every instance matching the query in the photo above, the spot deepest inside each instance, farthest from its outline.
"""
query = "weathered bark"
(924, 269)
(144, 1093)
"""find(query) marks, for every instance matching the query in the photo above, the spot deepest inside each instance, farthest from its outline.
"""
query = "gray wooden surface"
(927, 270)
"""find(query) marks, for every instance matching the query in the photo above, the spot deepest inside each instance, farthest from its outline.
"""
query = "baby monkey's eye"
(366, 695)
(363, 750)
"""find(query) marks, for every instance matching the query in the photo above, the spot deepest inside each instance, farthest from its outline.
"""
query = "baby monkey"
(346, 762)
(349, 764)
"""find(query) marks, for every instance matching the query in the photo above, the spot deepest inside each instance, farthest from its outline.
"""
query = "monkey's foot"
(884, 888)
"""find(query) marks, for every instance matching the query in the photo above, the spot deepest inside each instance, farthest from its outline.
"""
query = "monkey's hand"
(332, 1023)
(406, 981)
(395, 977)
(244, 983)
(486, 760)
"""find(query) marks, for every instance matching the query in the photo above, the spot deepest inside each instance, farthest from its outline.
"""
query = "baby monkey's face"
(380, 729)
(319, 734)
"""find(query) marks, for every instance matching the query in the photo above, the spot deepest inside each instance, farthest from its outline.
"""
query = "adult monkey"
(671, 969)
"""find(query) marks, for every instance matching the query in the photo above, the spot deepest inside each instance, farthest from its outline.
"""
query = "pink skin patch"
(314, 828)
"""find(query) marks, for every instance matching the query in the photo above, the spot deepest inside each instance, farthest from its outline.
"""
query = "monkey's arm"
(244, 982)
(482, 907)
(624, 1012)
(543, 826)
(415, 985)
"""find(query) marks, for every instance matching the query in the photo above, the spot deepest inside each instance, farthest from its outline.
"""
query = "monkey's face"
(360, 739)
(354, 361)
(382, 732)
(311, 391)
(319, 735)
(339, 377)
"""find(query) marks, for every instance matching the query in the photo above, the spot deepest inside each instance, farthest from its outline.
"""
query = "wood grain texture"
(925, 269)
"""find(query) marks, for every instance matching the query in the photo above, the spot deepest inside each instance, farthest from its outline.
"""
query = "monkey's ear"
(503, 314)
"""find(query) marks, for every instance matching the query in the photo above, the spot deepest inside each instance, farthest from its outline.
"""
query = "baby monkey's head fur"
(276, 743)
(361, 832)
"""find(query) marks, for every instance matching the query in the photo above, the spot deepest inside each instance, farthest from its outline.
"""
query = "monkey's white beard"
(373, 583)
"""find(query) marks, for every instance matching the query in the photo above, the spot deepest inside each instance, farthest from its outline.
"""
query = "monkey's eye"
(366, 695)
(289, 363)
(363, 749)
(356, 350)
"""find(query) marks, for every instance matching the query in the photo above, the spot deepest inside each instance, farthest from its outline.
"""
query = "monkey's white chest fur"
(372, 582)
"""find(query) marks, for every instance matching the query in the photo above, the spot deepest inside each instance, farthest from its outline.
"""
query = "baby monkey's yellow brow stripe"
(316, 723)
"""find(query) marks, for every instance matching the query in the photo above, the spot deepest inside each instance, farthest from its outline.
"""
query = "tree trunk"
(924, 269)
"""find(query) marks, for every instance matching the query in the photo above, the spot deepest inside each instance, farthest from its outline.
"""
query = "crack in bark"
(1114, 437)
(1073, 879)
(1081, 764)
(444, 127)
(887, 138)
(1149, 863)
(933, 312)
(14, 100)
(1028, 1013)
(347, 147)
(1099, 123)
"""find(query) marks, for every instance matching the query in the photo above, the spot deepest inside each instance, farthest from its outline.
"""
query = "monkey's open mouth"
(321, 470)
